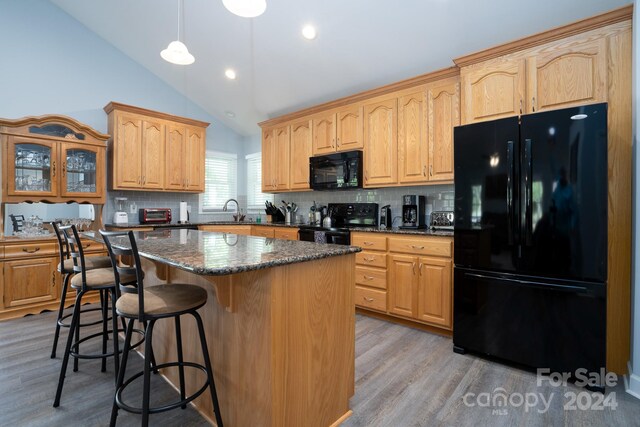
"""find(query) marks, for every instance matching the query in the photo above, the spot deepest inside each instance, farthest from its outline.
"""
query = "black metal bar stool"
(149, 305)
(83, 281)
(65, 267)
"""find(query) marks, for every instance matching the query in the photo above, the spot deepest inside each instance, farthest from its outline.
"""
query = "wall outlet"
(133, 208)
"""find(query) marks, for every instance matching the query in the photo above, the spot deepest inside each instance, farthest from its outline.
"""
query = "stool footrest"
(74, 352)
(164, 408)
(97, 322)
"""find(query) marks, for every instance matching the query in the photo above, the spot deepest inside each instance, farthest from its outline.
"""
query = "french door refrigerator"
(530, 235)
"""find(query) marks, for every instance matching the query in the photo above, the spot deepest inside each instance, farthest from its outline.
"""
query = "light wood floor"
(404, 377)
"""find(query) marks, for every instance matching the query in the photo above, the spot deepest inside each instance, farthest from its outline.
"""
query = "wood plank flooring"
(404, 377)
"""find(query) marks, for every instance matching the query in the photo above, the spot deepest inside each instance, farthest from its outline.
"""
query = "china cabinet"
(52, 159)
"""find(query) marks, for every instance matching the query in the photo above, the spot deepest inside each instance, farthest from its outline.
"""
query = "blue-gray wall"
(52, 64)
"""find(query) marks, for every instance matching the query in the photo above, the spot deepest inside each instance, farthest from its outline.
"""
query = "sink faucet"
(224, 208)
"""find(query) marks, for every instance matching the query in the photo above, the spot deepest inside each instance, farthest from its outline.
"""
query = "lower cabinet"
(30, 281)
(285, 233)
(406, 276)
(235, 229)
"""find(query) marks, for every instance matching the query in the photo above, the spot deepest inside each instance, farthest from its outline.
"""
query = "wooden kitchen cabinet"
(371, 271)
(493, 89)
(443, 113)
(224, 228)
(281, 156)
(413, 150)
(155, 151)
(301, 150)
(285, 233)
(261, 231)
(268, 160)
(403, 280)
(381, 143)
(52, 159)
(30, 281)
(434, 291)
(338, 130)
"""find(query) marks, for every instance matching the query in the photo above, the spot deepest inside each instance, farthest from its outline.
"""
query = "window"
(255, 196)
(220, 182)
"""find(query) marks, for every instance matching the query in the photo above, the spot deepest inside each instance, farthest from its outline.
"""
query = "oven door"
(322, 236)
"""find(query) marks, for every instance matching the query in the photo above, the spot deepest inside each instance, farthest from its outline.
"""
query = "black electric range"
(345, 217)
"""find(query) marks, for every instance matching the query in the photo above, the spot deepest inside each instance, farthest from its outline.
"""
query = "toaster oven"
(154, 215)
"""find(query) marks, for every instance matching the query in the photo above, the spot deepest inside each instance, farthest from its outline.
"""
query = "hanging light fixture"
(177, 52)
(246, 8)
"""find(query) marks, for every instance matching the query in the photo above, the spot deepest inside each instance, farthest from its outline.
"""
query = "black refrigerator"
(530, 238)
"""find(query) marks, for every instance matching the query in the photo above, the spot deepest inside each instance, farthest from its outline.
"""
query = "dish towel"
(320, 237)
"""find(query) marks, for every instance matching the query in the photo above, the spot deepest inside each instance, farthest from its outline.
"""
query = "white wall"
(633, 383)
(52, 64)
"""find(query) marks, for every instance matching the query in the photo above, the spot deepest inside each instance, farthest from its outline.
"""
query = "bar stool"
(149, 305)
(65, 268)
(83, 281)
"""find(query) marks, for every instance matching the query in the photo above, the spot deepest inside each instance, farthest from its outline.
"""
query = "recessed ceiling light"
(230, 114)
(230, 74)
(309, 32)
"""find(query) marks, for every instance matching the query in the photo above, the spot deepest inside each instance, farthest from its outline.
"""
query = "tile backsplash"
(439, 197)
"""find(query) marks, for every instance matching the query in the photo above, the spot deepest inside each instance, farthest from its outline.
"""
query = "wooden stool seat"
(163, 301)
(91, 263)
(99, 278)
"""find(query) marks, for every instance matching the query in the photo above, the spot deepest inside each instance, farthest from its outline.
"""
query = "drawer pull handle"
(417, 247)
(368, 278)
(31, 251)
(368, 299)
(368, 243)
(369, 259)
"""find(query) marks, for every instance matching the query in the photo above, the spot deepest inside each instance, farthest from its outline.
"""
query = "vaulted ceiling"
(361, 44)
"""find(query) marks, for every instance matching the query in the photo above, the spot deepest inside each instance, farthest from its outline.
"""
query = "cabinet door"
(128, 162)
(443, 111)
(301, 150)
(566, 76)
(381, 143)
(194, 156)
(403, 281)
(281, 158)
(175, 141)
(412, 137)
(30, 281)
(434, 291)
(285, 233)
(32, 168)
(349, 128)
(324, 134)
(153, 146)
(492, 90)
(268, 162)
(82, 172)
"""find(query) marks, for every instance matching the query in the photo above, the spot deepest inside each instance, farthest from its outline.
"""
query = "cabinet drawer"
(28, 250)
(235, 229)
(262, 232)
(92, 246)
(371, 258)
(370, 241)
(371, 277)
(421, 246)
(286, 233)
(371, 298)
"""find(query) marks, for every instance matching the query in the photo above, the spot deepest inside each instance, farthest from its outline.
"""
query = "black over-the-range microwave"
(340, 171)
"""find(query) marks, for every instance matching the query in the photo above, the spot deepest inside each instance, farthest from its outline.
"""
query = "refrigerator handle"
(531, 283)
(528, 196)
(510, 165)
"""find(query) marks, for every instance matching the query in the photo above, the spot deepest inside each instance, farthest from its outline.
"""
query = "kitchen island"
(279, 322)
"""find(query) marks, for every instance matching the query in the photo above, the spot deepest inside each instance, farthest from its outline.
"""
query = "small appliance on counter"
(441, 220)
(386, 220)
(184, 214)
(413, 211)
(120, 216)
(154, 215)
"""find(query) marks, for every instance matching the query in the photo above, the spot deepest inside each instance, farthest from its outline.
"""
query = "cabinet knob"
(521, 106)
(368, 277)
(430, 170)
(424, 170)
(338, 142)
(533, 104)
(53, 169)
(31, 251)
(413, 266)
(369, 259)
(417, 247)
(368, 299)
(420, 269)
(64, 168)
(53, 279)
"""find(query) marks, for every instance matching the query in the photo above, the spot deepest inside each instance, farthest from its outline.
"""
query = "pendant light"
(177, 53)
(246, 8)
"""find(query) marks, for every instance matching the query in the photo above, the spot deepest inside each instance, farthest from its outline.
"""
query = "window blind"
(220, 181)
(255, 196)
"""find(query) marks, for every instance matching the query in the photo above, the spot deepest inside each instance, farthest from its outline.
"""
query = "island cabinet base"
(281, 340)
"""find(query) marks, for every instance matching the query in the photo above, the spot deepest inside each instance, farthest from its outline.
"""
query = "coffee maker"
(413, 211)
(386, 221)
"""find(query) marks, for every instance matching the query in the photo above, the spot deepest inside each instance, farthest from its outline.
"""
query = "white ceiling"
(361, 44)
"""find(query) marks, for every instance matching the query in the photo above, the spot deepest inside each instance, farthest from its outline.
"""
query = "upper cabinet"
(338, 130)
(413, 156)
(301, 150)
(275, 159)
(381, 143)
(52, 159)
(443, 111)
(268, 161)
(155, 151)
(555, 75)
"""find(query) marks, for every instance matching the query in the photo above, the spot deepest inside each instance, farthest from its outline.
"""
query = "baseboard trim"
(632, 382)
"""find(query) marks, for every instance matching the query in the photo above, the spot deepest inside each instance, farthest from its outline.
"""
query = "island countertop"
(216, 254)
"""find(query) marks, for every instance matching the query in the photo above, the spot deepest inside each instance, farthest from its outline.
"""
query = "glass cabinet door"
(82, 170)
(33, 168)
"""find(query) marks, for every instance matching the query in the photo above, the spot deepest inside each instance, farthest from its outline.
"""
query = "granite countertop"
(420, 232)
(217, 254)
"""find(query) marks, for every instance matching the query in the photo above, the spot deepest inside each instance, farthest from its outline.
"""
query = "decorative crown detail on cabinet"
(150, 150)
(52, 158)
